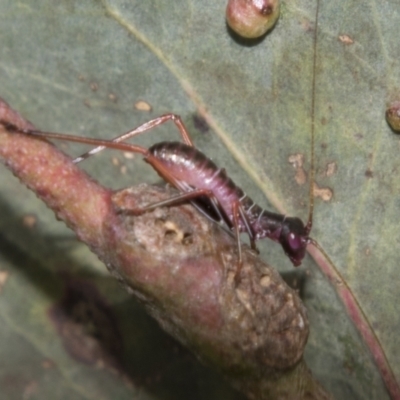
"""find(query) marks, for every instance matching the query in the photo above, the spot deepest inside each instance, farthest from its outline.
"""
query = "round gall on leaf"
(252, 18)
(393, 116)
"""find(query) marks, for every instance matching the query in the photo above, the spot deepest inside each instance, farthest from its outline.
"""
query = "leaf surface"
(80, 67)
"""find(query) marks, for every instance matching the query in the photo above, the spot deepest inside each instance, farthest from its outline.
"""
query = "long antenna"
(312, 144)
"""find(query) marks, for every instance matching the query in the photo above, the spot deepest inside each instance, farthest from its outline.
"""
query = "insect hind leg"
(147, 126)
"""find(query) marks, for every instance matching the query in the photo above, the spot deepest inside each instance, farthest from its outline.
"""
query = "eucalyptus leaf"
(82, 67)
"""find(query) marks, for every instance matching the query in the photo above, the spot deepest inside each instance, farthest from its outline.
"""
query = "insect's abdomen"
(189, 165)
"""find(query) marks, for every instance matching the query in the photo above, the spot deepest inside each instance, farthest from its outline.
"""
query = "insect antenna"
(312, 141)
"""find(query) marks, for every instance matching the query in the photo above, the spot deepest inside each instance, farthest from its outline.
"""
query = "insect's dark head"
(294, 239)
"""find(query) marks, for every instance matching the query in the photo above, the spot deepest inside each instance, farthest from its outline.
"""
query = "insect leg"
(144, 128)
(235, 214)
(172, 201)
(223, 219)
(73, 138)
(187, 193)
(247, 225)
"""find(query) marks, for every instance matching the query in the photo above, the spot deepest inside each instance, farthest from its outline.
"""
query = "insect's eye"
(294, 241)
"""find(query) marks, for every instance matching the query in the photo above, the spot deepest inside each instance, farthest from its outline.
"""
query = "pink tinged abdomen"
(189, 165)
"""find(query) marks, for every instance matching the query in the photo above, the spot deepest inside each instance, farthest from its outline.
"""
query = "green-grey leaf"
(80, 67)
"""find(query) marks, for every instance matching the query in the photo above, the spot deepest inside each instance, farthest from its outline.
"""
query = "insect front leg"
(238, 211)
(236, 226)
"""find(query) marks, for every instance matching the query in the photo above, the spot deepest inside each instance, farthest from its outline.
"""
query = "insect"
(195, 176)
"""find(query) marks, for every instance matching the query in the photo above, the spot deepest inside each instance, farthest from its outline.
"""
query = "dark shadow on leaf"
(246, 42)
(296, 279)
